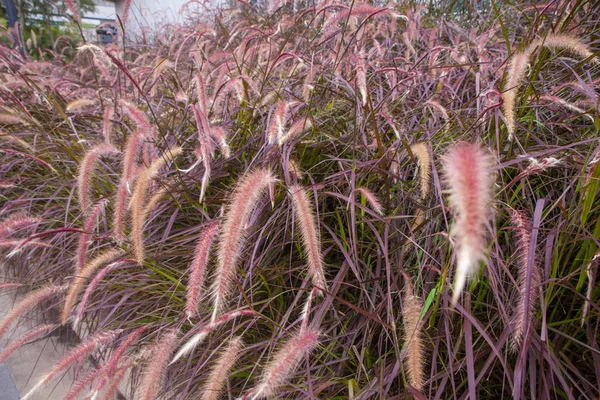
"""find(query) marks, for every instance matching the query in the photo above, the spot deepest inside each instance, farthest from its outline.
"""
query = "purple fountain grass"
(522, 320)
(469, 178)
(107, 124)
(107, 371)
(371, 199)
(16, 222)
(132, 149)
(310, 236)
(283, 364)
(298, 128)
(519, 62)
(422, 154)
(92, 286)
(88, 226)
(218, 133)
(28, 336)
(73, 8)
(73, 356)
(29, 302)
(201, 96)
(138, 201)
(361, 76)
(80, 105)
(115, 381)
(9, 285)
(85, 273)
(198, 267)
(213, 388)
(276, 129)
(249, 190)
(86, 170)
(81, 384)
(137, 116)
(156, 366)
(413, 341)
(195, 340)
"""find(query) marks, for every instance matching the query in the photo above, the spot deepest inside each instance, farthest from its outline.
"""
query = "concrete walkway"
(23, 369)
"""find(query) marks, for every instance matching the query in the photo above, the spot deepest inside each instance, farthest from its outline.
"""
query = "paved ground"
(22, 370)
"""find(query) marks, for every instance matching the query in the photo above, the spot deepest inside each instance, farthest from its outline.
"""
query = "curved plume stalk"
(156, 366)
(523, 317)
(73, 8)
(413, 341)
(468, 176)
(138, 201)
(285, 362)
(86, 169)
(28, 303)
(244, 199)
(201, 93)
(198, 267)
(310, 236)
(213, 389)
(73, 356)
(83, 276)
(298, 128)
(519, 62)
(137, 116)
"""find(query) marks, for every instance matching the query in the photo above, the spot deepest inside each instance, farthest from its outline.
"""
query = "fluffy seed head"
(469, 179)
(310, 235)
(244, 200)
(213, 389)
(86, 169)
(413, 341)
(156, 366)
(284, 363)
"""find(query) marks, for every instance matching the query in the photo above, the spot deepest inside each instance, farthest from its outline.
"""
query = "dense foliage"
(272, 183)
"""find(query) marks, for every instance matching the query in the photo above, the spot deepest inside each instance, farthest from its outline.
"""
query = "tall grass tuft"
(469, 178)
(88, 165)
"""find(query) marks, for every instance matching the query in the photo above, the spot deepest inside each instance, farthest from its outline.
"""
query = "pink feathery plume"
(86, 169)
(469, 178)
(244, 199)
(28, 303)
(198, 267)
(16, 222)
(284, 363)
(30, 335)
(88, 226)
(195, 340)
(156, 366)
(279, 119)
(213, 388)
(361, 76)
(523, 315)
(107, 124)
(73, 356)
(372, 199)
(73, 8)
(125, 13)
(310, 236)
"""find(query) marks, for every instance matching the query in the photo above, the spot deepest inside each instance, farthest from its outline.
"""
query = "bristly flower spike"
(469, 179)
